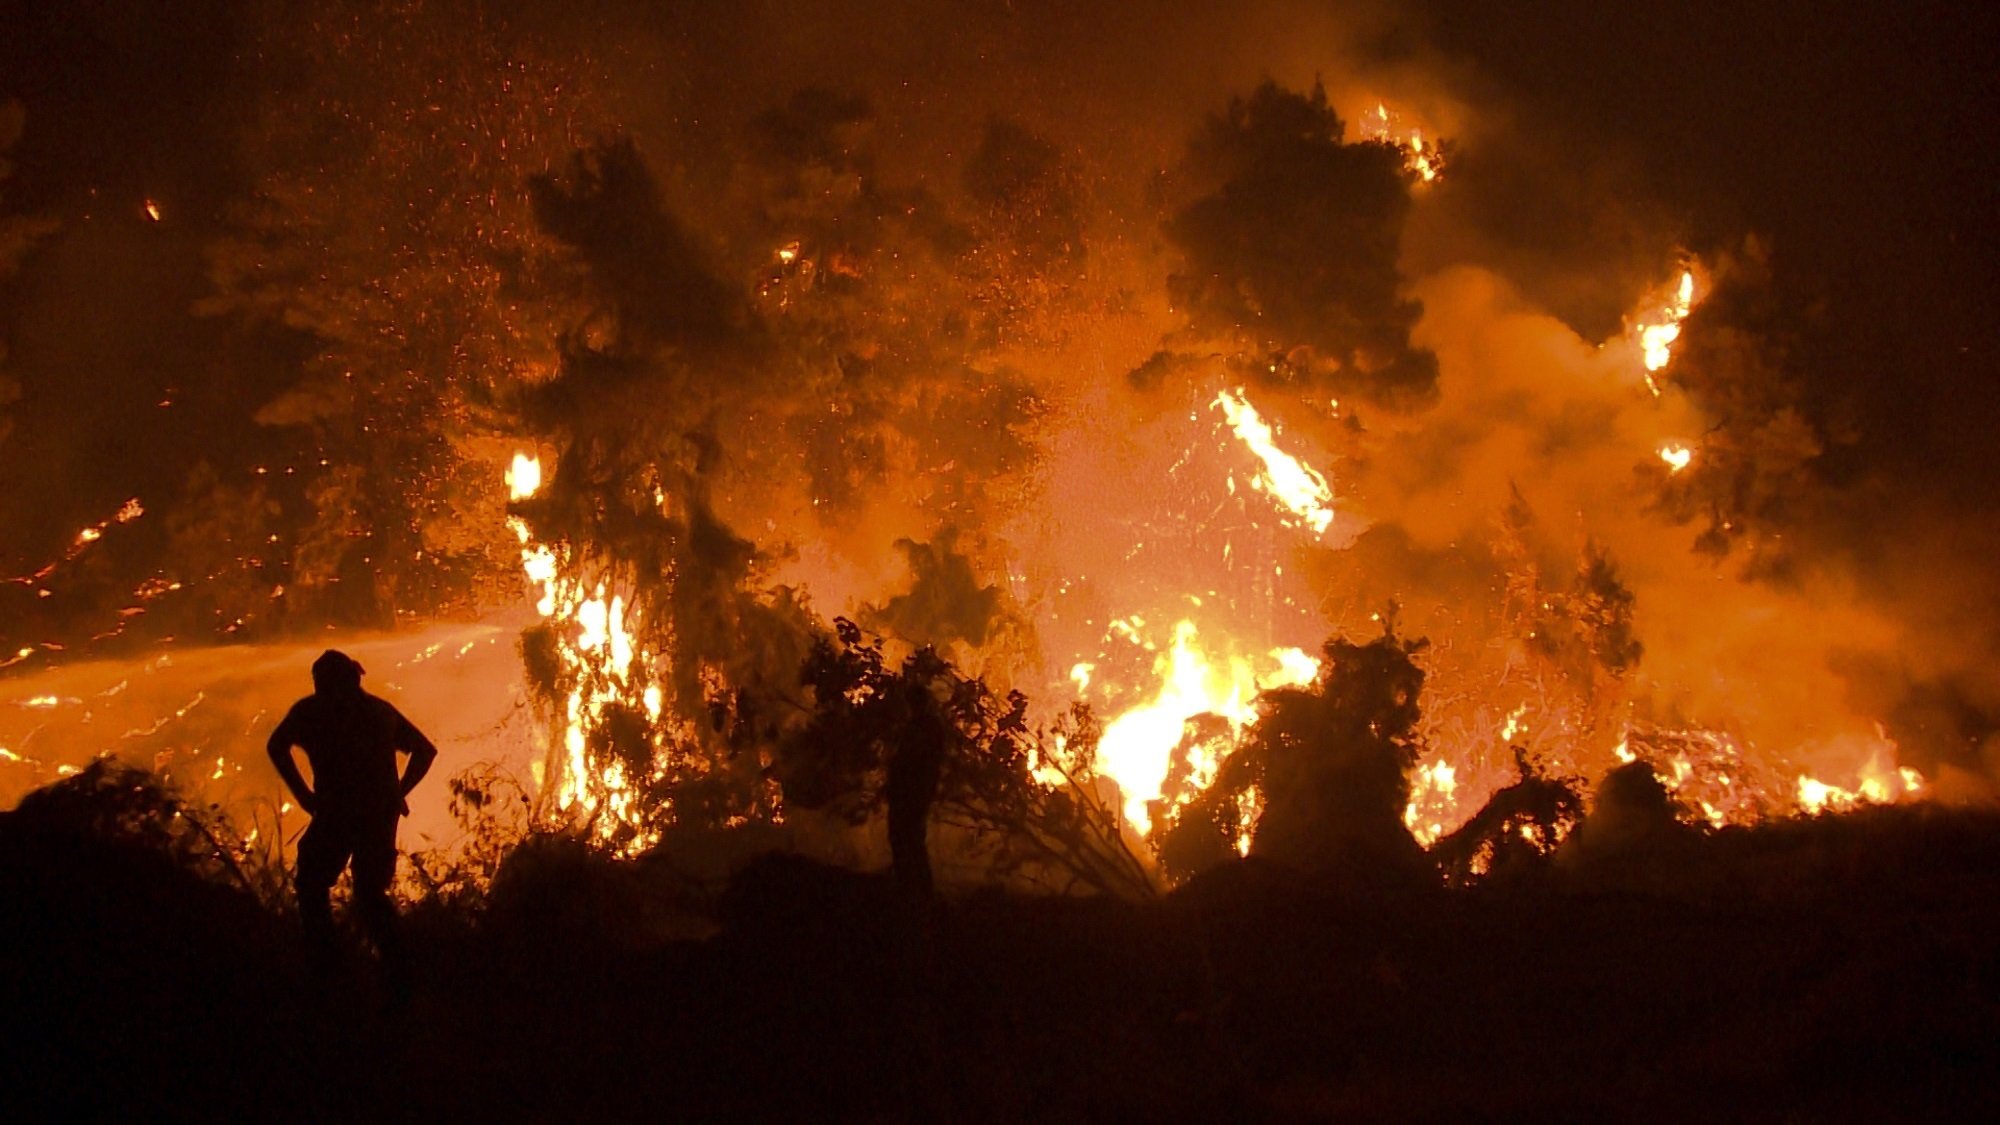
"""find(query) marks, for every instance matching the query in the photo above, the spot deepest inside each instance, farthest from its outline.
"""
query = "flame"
(1657, 334)
(524, 477)
(1876, 786)
(1250, 807)
(1080, 675)
(1432, 783)
(1677, 456)
(153, 211)
(1295, 485)
(594, 631)
(1379, 125)
(1137, 747)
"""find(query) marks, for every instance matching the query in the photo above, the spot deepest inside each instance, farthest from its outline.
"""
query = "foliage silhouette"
(1327, 762)
(1518, 829)
(1055, 832)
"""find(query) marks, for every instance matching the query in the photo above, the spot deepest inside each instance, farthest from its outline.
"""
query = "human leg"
(323, 851)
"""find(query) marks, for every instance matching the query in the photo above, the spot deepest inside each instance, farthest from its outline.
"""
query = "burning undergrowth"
(1121, 435)
(903, 409)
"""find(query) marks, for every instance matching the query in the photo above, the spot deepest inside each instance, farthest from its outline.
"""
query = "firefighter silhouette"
(351, 740)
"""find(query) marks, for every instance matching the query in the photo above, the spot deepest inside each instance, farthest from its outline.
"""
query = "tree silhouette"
(1291, 255)
(1022, 797)
(1327, 764)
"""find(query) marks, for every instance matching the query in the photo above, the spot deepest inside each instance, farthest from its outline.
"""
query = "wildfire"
(1250, 805)
(600, 661)
(1877, 787)
(1431, 784)
(1137, 747)
(1657, 334)
(1295, 485)
(524, 477)
(1677, 456)
(1424, 161)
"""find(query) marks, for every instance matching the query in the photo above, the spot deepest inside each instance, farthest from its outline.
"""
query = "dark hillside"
(1838, 968)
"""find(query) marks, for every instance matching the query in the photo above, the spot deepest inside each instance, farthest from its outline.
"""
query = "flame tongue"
(1657, 336)
(1296, 486)
(1138, 746)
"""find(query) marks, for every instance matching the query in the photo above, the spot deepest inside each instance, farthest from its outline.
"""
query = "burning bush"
(1320, 780)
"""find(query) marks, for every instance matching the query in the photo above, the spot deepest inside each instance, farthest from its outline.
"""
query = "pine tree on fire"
(1327, 761)
(921, 741)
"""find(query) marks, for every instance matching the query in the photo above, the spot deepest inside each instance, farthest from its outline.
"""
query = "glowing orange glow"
(1137, 747)
(1657, 333)
(153, 211)
(1295, 485)
(1677, 456)
(1381, 125)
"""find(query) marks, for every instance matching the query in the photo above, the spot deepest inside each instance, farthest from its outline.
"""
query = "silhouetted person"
(351, 739)
(916, 764)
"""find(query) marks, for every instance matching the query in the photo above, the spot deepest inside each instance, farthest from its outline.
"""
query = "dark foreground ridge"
(1832, 969)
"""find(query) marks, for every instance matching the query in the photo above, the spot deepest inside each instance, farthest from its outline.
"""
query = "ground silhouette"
(1832, 968)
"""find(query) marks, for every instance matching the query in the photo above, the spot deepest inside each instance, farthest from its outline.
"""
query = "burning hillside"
(1127, 411)
(1388, 559)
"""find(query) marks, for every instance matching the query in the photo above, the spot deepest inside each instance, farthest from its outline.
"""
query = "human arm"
(422, 753)
(280, 749)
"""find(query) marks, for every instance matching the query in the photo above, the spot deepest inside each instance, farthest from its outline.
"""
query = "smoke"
(924, 307)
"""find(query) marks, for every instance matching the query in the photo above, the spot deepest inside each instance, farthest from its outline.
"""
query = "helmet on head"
(336, 671)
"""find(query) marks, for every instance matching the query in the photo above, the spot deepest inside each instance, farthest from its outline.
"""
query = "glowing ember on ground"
(1677, 456)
